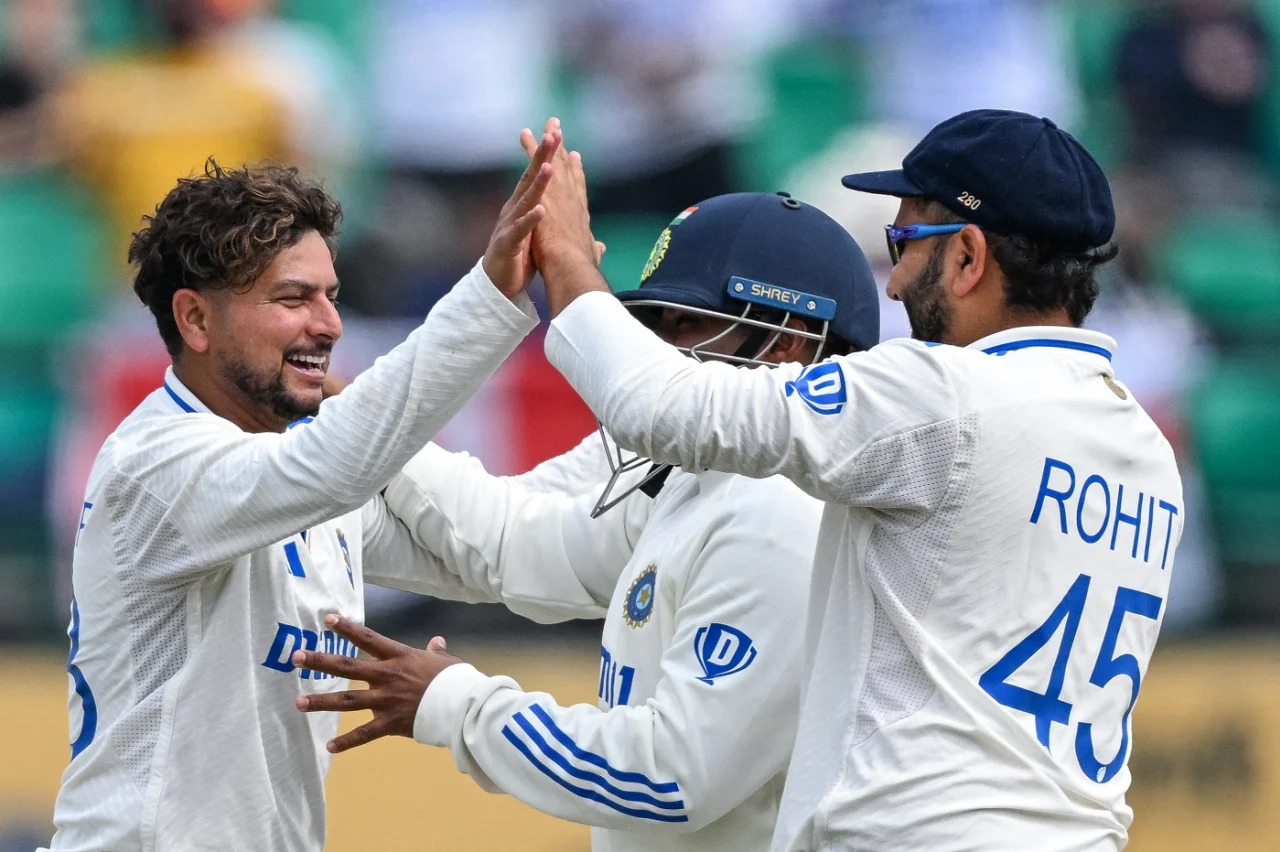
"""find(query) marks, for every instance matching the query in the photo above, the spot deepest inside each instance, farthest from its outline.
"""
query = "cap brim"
(895, 183)
(672, 294)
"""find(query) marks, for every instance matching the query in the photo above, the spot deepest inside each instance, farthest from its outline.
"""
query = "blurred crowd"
(409, 110)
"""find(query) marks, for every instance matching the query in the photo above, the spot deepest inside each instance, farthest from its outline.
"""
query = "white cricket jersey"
(207, 555)
(990, 574)
(702, 590)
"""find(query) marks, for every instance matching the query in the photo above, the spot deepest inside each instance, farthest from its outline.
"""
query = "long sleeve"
(722, 718)
(541, 554)
(198, 491)
(394, 558)
(833, 428)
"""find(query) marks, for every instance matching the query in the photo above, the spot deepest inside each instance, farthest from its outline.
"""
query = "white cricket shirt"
(702, 590)
(990, 574)
(207, 555)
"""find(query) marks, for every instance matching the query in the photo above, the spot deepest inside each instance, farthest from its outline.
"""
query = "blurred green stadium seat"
(813, 89)
(1227, 269)
(1096, 27)
(27, 409)
(346, 22)
(1233, 414)
(628, 240)
(51, 246)
(1270, 11)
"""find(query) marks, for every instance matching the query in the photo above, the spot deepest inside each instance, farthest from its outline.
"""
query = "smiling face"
(271, 343)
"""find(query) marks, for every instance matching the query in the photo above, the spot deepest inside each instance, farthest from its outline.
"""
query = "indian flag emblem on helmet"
(664, 242)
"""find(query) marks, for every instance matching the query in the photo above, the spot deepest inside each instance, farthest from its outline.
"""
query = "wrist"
(569, 275)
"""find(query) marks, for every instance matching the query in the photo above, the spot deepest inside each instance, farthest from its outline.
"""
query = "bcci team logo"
(346, 554)
(722, 650)
(821, 387)
(639, 603)
(664, 242)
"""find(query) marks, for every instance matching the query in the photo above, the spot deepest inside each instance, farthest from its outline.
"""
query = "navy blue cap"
(769, 249)
(1009, 172)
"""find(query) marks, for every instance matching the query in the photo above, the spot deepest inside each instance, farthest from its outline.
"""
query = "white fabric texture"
(206, 555)
(990, 574)
(701, 589)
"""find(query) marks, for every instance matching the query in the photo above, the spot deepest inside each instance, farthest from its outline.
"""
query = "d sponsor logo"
(722, 650)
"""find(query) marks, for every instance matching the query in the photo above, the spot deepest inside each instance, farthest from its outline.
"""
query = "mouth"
(311, 367)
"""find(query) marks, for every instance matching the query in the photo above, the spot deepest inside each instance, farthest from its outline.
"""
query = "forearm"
(539, 553)
(576, 763)
(574, 275)
(252, 490)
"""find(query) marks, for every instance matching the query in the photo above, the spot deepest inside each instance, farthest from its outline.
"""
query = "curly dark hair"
(221, 230)
(1039, 277)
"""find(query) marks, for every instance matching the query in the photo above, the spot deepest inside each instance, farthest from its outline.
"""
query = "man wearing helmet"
(701, 577)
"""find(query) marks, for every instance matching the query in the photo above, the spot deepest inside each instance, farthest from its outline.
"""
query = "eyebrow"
(307, 287)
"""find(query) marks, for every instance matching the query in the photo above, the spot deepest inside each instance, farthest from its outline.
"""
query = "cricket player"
(701, 577)
(221, 524)
(1001, 517)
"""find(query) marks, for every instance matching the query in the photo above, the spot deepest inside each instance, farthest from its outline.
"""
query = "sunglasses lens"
(895, 247)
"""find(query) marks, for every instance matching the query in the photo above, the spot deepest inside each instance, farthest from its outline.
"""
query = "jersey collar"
(180, 396)
(1046, 337)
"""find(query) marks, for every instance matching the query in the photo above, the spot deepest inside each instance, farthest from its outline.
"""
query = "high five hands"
(545, 226)
(563, 248)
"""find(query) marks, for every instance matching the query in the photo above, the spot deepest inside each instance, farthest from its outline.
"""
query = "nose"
(325, 320)
(892, 289)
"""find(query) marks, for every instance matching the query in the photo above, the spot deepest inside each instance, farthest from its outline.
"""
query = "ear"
(968, 252)
(792, 347)
(192, 312)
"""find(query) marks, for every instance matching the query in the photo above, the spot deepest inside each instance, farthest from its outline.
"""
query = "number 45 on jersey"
(1047, 707)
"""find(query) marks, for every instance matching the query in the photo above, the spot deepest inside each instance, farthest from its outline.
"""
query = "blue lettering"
(288, 639)
(1060, 496)
(615, 680)
(605, 659)
(1058, 484)
(1122, 518)
(295, 561)
(1106, 518)
(84, 513)
(1168, 536)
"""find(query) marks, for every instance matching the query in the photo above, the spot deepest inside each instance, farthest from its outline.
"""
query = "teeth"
(314, 360)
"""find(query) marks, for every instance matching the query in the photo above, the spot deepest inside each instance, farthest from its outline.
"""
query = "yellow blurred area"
(1206, 761)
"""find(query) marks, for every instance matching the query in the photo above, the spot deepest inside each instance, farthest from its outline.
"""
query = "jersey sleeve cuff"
(444, 704)
(517, 311)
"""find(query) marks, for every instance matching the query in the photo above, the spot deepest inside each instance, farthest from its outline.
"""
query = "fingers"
(600, 250)
(437, 644)
(352, 699)
(534, 191)
(337, 665)
(528, 143)
(366, 639)
(521, 228)
(579, 173)
(366, 733)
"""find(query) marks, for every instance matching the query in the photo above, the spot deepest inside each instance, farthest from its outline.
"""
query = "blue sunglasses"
(897, 237)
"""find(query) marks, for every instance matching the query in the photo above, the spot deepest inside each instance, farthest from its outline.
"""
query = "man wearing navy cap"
(1001, 515)
(701, 577)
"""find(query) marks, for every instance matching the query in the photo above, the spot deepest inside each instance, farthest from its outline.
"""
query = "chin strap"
(657, 478)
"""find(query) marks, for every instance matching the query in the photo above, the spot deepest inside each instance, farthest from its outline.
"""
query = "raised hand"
(508, 261)
(398, 676)
(564, 249)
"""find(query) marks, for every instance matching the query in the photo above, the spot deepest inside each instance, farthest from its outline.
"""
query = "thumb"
(437, 644)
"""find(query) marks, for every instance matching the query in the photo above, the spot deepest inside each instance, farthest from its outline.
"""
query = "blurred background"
(409, 110)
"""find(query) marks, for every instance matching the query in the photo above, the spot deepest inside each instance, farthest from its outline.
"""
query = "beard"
(267, 389)
(925, 300)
